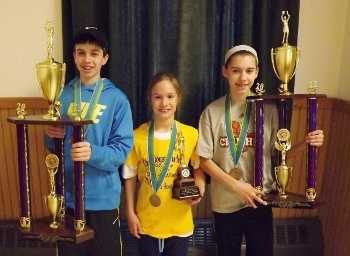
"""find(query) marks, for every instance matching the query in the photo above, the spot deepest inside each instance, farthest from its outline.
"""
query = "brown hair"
(168, 77)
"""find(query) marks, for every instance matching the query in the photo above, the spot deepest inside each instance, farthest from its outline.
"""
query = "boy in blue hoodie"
(106, 145)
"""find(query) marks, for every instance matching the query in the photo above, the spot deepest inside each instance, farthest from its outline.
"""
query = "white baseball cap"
(240, 48)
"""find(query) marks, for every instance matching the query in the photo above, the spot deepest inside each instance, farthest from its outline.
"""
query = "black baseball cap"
(92, 35)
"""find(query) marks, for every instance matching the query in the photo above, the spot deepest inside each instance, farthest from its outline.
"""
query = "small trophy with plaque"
(184, 185)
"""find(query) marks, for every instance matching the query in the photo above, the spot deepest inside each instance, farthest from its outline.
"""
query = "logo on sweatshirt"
(249, 141)
(84, 106)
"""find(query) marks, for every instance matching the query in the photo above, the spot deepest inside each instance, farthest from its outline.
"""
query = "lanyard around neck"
(236, 148)
(95, 98)
(156, 183)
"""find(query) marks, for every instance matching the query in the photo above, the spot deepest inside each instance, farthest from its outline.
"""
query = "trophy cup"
(184, 185)
(54, 201)
(51, 77)
(283, 172)
(285, 58)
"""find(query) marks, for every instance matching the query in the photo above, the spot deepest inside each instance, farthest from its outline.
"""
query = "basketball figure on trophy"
(285, 19)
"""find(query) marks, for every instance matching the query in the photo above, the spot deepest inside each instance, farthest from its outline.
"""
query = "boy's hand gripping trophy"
(184, 185)
(283, 172)
(54, 201)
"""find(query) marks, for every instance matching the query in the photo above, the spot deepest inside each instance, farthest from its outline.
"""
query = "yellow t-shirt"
(173, 217)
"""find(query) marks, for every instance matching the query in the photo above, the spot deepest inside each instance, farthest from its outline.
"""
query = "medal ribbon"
(95, 98)
(156, 183)
(236, 148)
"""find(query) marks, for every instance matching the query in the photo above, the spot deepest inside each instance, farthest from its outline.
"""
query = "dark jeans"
(107, 236)
(254, 224)
(173, 246)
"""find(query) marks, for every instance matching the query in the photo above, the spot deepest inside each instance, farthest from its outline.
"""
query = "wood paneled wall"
(9, 194)
(333, 178)
(335, 213)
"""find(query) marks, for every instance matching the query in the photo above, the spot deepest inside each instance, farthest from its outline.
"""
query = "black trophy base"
(40, 230)
(186, 192)
(292, 201)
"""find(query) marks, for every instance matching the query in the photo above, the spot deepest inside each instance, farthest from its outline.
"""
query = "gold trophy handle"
(296, 62)
(273, 63)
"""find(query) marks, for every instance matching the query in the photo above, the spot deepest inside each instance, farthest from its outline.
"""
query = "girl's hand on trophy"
(315, 138)
(54, 131)
(194, 201)
(81, 151)
(134, 225)
(249, 195)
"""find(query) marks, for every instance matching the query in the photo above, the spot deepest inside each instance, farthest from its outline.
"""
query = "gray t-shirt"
(213, 144)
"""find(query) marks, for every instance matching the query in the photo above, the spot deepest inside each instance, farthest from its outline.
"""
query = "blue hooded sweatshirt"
(110, 138)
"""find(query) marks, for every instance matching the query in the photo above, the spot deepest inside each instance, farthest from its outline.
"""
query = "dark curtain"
(186, 37)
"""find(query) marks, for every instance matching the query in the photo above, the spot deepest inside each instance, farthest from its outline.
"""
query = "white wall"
(324, 30)
(322, 27)
(23, 43)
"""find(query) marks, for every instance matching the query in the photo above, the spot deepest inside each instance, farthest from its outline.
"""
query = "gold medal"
(154, 200)
(236, 173)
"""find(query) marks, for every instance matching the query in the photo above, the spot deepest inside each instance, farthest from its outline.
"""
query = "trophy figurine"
(51, 77)
(184, 185)
(283, 172)
(285, 58)
(54, 201)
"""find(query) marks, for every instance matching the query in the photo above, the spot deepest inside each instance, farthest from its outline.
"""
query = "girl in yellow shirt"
(161, 222)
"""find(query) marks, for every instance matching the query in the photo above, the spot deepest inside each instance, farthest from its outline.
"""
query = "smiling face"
(89, 59)
(164, 100)
(240, 71)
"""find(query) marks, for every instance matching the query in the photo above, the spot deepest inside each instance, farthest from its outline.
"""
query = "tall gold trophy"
(51, 77)
(54, 201)
(284, 61)
(285, 58)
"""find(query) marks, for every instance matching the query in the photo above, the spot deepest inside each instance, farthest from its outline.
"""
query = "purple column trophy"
(259, 137)
(282, 114)
(60, 174)
(311, 151)
(259, 143)
(23, 175)
(79, 221)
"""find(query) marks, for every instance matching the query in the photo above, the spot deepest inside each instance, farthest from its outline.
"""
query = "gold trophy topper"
(285, 58)
(51, 77)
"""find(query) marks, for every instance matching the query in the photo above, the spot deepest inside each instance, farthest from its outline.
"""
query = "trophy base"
(40, 230)
(292, 201)
(188, 192)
